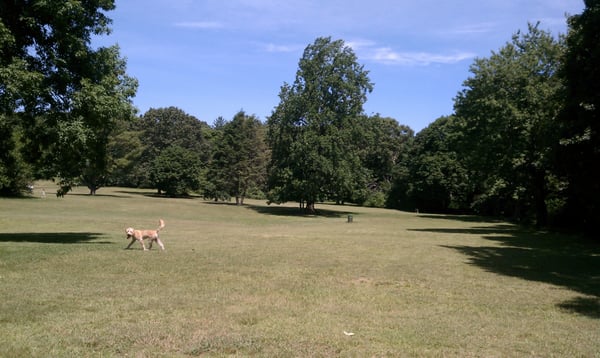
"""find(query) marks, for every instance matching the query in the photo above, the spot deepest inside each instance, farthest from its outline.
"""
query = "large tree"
(176, 171)
(384, 142)
(312, 132)
(438, 180)
(580, 150)
(161, 128)
(510, 107)
(64, 94)
(240, 158)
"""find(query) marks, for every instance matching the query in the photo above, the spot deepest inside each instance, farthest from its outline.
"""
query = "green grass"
(265, 281)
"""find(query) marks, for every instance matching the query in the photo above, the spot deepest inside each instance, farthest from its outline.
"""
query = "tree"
(510, 108)
(240, 158)
(176, 171)
(382, 144)
(162, 128)
(580, 122)
(438, 180)
(311, 132)
(15, 174)
(66, 95)
(125, 150)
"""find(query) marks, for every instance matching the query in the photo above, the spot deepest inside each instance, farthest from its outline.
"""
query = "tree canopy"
(313, 129)
(239, 159)
(161, 128)
(510, 107)
(64, 95)
(580, 120)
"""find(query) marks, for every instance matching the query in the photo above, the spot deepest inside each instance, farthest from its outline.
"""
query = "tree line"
(522, 142)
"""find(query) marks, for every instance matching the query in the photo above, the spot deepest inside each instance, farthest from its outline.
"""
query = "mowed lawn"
(265, 281)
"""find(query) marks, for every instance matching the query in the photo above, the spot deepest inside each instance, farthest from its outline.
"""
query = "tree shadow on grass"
(561, 260)
(278, 210)
(154, 194)
(464, 218)
(99, 195)
(53, 237)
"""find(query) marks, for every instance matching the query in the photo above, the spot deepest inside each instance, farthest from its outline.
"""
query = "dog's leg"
(131, 243)
(160, 243)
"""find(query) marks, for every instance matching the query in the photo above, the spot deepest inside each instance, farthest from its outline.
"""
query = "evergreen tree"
(580, 149)
(240, 158)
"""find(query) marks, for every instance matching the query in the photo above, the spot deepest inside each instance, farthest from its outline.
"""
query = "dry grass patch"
(265, 281)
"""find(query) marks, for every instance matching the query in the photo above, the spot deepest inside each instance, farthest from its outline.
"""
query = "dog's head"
(129, 232)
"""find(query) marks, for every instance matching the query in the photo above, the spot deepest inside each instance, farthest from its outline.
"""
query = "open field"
(265, 281)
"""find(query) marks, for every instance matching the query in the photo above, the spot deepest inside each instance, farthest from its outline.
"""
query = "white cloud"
(358, 45)
(369, 51)
(200, 25)
(386, 55)
(481, 28)
(282, 48)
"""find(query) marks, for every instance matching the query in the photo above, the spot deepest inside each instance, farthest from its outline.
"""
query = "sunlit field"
(267, 281)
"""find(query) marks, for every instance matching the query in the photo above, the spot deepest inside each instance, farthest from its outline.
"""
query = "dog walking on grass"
(140, 235)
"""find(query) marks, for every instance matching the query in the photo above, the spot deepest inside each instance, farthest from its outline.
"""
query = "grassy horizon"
(264, 280)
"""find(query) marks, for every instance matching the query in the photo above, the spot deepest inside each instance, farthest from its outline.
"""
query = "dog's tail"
(162, 224)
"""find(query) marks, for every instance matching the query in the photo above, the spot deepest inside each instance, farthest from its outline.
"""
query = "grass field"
(265, 281)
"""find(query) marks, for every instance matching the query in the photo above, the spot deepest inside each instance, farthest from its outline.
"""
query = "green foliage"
(438, 181)
(163, 128)
(15, 174)
(176, 171)
(239, 160)
(580, 122)
(510, 108)
(312, 130)
(375, 199)
(383, 142)
(125, 149)
(66, 95)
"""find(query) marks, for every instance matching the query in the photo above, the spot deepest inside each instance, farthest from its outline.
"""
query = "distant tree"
(509, 108)
(165, 127)
(176, 171)
(15, 173)
(580, 131)
(125, 149)
(240, 158)
(312, 131)
(65, 94)
(382, 144)
(438, 180)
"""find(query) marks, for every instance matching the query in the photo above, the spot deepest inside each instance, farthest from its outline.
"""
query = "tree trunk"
(539, 191)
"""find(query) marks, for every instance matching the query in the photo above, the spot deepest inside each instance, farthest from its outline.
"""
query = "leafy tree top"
(312, 130)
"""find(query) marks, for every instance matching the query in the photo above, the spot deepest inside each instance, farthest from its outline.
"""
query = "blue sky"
(213, 58)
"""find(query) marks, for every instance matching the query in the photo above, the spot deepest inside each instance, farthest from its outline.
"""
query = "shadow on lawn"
(553, 258)
(464, 218)
(152, 194)
(53, 237)
(279, 210)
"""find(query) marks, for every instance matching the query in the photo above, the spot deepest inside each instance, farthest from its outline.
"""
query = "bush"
(376, 199)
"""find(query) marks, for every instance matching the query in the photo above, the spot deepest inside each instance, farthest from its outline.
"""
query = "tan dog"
(140, 235)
